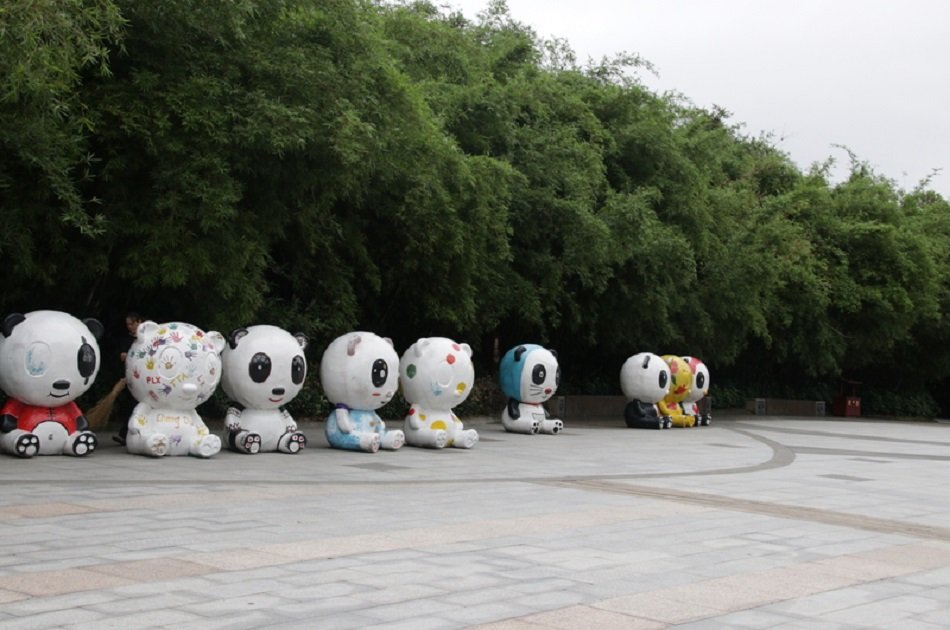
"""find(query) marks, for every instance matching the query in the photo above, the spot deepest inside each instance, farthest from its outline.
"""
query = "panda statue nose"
(61, 384)
(277, 391)
(189, 388)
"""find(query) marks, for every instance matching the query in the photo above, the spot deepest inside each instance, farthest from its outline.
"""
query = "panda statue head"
(360, 370)
(529, 373)
(681, 378)
(700, 384)
(645, 377)
(48, 358)
(263, 367)
(437, 372)
(173, 365)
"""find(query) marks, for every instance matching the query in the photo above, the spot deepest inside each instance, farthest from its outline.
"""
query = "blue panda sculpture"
(47, 360)
(529, 375)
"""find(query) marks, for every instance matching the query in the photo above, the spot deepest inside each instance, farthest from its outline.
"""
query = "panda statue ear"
(389, 341)
(466, 348)
(520, 350)
(234, 336)
(553, 352)
(10, 321)
(302, 339)
(217, 340)
(351, 344)
(95, 327)
(646, 361)
(145, 329)
(420, 345)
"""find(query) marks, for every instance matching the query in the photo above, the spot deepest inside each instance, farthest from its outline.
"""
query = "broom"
(98, 415)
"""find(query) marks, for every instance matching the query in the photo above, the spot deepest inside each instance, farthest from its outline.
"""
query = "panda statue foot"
(246, 442)
(82, 444)
(156, 445)
(369, 442)
(27, 445)
(292, 442)
(551, 427)
(206, 446)
(466, 439)
(393, 440)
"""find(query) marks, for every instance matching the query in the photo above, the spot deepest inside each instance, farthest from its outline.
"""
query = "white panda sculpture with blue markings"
(264, 368)
(171, 369)
(645, 380)
(529, 375)
(359, 372)
(47, 360)
(436, 375)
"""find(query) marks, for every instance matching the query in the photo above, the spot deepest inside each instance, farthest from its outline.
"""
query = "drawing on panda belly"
(177, 419)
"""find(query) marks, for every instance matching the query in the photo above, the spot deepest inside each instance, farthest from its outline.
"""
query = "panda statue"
(263, 368)
(436, 374)
(529, 375)
(698, 391)
(171, 369)
(359, 374)
(47, 360)
(680, 380)
(644, 380)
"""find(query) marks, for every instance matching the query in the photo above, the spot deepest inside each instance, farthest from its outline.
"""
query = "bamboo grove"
(328, 165)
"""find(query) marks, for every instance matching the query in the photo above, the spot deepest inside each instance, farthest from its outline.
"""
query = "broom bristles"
(98, 415)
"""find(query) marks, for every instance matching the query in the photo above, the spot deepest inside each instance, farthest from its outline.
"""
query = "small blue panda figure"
(529, 375)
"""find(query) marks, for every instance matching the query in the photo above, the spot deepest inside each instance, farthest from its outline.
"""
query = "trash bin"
(847, 402)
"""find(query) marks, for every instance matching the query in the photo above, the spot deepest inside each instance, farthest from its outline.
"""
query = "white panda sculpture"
(171, 369)
(263, 369)
(529, 375)
(359, 373)
(436, 374)
(645, 379)
(699, 390)
(47, 360)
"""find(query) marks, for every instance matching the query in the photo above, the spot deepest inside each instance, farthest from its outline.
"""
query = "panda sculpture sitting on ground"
(263, 369)
(700, 389)
(359, 373)
(436, 374)
(529, 375)
(47, 360)
(171, 369)
(644, 380)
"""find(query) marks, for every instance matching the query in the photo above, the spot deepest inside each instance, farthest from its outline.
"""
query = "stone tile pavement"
(754, 522)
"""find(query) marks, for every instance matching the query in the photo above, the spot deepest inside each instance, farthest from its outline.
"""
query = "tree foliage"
(399, 167)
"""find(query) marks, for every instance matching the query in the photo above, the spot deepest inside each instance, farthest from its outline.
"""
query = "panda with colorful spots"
(47, 360)
(171, 369)
(529, 375)
(263, 369)
(698, 390)
(359, 373)
(644, 380)
(436, 375)
(681, 379)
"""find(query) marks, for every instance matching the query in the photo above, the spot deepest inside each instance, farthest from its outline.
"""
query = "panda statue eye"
(664, 379)
(37, 358)
(86, 359)
(557, 377)
(538, 374)
(700, 380)
(259, 367)
(298, 368)
(380, 373)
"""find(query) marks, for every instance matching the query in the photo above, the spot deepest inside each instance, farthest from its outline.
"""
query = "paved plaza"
(754, 522)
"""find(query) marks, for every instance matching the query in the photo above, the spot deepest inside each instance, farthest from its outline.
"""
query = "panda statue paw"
(466, 439)
(393, 440)
(82, 444)
(156, 445)
(246, 442)
(551, 427)
(206, 446)
(292, 442)
(370, 442)
(27, 445)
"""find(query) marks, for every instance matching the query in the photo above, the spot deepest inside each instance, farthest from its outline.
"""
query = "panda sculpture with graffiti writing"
(47, 360)
(699, 390)
(359, 372)
(680, 382)
(436, 375)
(263, 369)
(171, 369)
(644, 380)
(529, 375)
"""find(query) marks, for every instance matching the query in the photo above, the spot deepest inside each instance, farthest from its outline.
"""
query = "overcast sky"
(871, 75)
